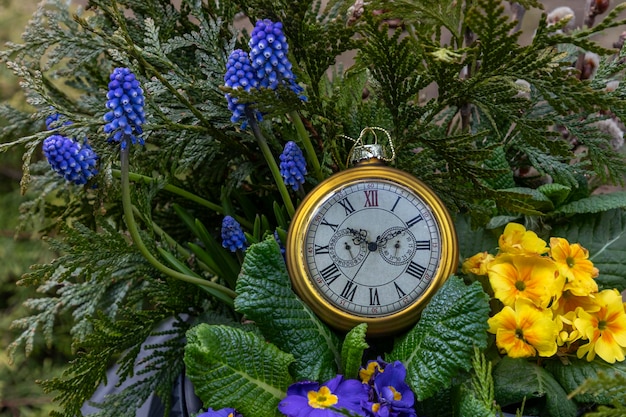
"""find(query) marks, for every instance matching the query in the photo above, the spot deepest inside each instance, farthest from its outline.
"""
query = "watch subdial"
(346, 248)
(398, 246)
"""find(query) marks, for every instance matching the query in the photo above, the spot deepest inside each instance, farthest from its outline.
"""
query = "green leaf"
(516, 379)
(265, 296)
(573, 374)
(472, 241)
(595, 204)
(442, 343)
(557, 193)
(230, 367)
(352, 351)
(536, 199)
(604, 235)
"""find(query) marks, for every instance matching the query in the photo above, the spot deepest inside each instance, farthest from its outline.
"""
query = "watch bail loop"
(362, 151)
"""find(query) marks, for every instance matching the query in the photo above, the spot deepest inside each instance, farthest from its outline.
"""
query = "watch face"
(370, 244)
(372, 248)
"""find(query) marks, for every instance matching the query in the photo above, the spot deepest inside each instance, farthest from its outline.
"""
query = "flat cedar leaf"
(573, 374)
(516, 379)
(442, 343)
(230, 367)
(265, 296)
(595, 204)
(352, 351)
(604, 235)
(469, 405)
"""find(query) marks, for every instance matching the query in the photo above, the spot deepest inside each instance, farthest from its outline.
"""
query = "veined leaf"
(442, 343)
(594, 204)
(265, 296)
(518, 379)
(230, 367)
(604, 235)
(573, 374)
(352, 351)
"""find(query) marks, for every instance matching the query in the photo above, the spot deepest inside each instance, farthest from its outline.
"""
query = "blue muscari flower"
(232, 235)
(224, 412)
(75, 162)
(311, 399)
(239, 74)
(292, 165)
(126, 107)
(268, 56)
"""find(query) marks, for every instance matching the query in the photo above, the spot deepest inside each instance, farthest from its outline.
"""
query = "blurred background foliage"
(19, 396)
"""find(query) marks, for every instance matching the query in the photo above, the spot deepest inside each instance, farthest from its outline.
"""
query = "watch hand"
(360, 236)
(389, 236)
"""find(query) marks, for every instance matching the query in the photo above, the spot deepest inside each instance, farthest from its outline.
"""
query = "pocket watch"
(370, 244)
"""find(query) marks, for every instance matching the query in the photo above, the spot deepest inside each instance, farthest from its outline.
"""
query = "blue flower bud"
(73, 161)
(292, 165)
(51, 121)
(232, 235)
(126, 104)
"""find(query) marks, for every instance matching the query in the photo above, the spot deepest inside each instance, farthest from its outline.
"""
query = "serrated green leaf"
(230, 367)
(594, 204)
(265, 296)
(536, 199)
(573, 374)
(442, 343)
(557, 193)
(604, 235)
(352, 351)
(519, 379)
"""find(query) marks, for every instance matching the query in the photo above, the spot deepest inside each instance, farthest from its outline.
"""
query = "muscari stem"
(185, 194)
(269, 158)
(306, 142)
(136, 237)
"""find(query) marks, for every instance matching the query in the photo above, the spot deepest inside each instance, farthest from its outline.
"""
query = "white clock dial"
(373, 247)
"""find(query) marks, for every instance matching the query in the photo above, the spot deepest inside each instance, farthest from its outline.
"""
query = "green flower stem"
(170, 240)
(306, 142)
(136, 237)
(267, 153)
(183, 193)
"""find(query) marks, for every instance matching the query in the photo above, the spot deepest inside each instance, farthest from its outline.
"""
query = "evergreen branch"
(306, 141)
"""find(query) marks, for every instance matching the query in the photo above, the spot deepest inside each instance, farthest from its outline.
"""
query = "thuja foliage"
(500, 130)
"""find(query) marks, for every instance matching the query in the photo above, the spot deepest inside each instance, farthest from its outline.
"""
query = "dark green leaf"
(442, 343)
(265, 296)
(519, 379)
(230, 367)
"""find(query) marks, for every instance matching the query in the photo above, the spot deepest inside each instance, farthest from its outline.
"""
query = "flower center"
(322, 398)
(570, 261)
(396, 395)
(601, 325)
(375, 407)
(520, 285)
(519, 333)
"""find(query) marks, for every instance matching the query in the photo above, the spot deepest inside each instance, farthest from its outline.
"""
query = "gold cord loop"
(361, 150)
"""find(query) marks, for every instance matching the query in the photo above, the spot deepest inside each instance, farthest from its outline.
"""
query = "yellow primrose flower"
(477, 264)
(517, 240)
(570, 302)
(605, 328)
(532, 277)
(574, 264)
(525, 331)
(567, 333)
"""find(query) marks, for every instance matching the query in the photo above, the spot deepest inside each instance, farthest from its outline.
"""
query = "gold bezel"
(295, 250)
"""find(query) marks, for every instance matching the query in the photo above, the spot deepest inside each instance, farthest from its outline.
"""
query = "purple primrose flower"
(224, 412)
(310, 399)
